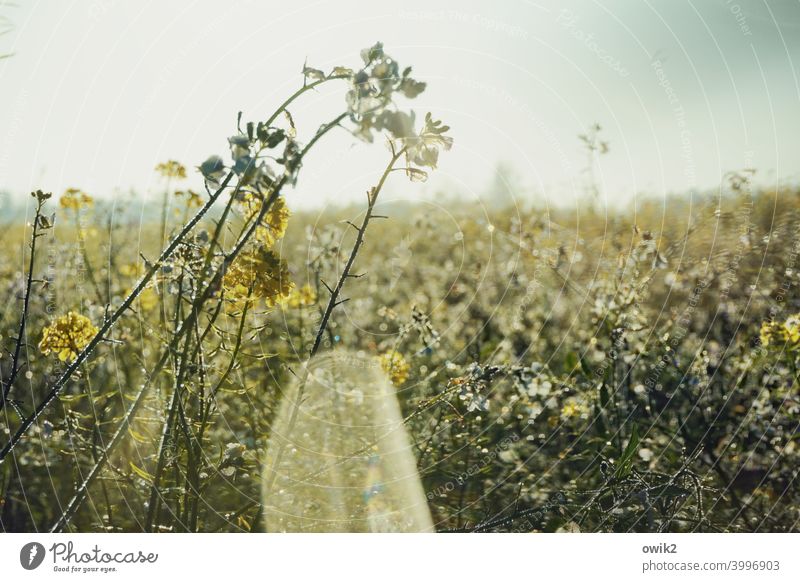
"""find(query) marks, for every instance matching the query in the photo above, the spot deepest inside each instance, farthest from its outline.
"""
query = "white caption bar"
(401, 557)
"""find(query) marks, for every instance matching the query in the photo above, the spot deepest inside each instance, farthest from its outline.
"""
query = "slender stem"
(166, 435)
(164, 205)
(229, 368)
(178, 367)
(298, 93)
(372, 197)
(334, 299)
(86, 262)
(24, 317)
(194, 438)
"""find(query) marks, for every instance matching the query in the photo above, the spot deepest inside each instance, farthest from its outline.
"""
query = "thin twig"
(15, 367)
(333, 301)
(372, 196)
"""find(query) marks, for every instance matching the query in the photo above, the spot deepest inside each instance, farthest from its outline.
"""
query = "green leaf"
(604, 397)
(570, 362)
(587, 370)
(626, 460)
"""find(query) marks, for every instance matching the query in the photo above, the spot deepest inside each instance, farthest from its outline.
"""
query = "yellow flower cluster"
(258, 274)
(74, 199)
(780, 333)
(395, 365)
(67, 336)
(171, 169)
(275, 222)
(273, 226)
(302, 297)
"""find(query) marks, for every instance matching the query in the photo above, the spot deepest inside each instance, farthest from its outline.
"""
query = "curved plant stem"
(372, 198)
(24, 317)
(333, 302)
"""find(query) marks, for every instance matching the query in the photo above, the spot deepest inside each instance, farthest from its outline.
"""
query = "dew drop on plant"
(354, 470)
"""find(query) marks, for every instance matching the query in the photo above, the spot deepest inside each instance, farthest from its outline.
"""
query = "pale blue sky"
(99, 91)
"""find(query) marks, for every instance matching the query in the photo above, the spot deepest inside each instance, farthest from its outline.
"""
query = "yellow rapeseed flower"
(302, 297)
(792, 327)
(171, 169)
(273, 225)
(67, 336)
(261, 270)
(395, 365)
(74, 199)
